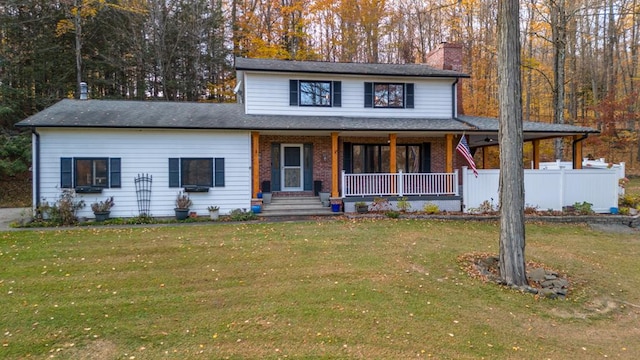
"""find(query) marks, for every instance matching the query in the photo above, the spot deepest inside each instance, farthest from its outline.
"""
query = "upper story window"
(388, 95)
(315, 93)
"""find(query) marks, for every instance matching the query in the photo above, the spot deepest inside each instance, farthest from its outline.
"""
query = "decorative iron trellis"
(143, 193)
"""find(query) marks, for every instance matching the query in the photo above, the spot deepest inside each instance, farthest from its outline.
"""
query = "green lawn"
(385, 289)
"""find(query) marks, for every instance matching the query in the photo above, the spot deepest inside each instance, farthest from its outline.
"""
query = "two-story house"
(354, 130)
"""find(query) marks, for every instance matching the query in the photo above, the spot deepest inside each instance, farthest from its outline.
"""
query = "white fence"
(547, 189)
(399, 184)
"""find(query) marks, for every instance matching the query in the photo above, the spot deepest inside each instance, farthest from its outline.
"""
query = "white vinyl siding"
(268, 94)
(147, 152)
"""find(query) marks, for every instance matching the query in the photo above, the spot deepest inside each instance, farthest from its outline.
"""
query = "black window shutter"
(368, 94)
(219, 172)
(347, 151)
(337, 94)
(426, 158)
(293, 92)
(308, 167)
(174, 172)
(66, 173)
(409, 96)
(114, 168)
(275, 166)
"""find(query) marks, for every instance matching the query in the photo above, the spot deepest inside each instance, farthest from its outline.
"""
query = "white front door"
(292, 167)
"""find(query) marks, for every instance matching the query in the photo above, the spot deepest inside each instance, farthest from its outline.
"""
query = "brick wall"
(321, 156)
(322, 153)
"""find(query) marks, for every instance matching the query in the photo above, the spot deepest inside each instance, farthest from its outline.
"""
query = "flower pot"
(214, 214)
(266, 198)
(256, 209)
(102, 215)
(361, 209)
(335, 207)
(181, 214)
(324, 196)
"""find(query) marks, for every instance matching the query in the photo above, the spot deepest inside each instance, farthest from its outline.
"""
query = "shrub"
(392, 214)
(242, 215)
(63, 212)
(583, 209)
(380, 204)
(431, 208)
(629, 200)
(403, 204)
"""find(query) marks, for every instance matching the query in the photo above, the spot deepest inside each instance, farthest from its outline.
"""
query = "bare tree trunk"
(559, 36)
(77, 23)
(512, 232)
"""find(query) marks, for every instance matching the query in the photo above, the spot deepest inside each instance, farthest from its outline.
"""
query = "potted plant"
(361, 207)
(102, 209)
(182, 206)
(214, 212)
(324, 198)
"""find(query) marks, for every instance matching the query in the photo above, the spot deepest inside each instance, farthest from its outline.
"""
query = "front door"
(292, 167)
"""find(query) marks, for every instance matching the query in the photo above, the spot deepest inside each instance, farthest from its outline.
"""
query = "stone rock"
(537, 275)
(548, 293)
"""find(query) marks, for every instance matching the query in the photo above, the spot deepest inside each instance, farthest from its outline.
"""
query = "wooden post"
(448, 153)
(484, 157)
(536, 154)
(577, 150)
(335, 175)
(393, 166)
(255, 167)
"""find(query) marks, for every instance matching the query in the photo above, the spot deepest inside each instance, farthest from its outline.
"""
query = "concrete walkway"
(9, 215)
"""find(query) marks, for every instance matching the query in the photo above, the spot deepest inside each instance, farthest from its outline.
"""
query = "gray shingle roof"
(183, 115)
(491, 124)
(325, 67)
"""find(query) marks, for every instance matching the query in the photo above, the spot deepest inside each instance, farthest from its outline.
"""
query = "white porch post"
(455, 181)
(400, 183)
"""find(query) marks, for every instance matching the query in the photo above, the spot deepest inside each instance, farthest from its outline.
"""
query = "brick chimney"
(448, 57)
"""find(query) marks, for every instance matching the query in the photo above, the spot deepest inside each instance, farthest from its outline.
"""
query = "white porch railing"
(399, 184)
(547, 189)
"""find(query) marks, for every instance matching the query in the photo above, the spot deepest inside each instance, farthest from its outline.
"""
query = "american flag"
(463, 149)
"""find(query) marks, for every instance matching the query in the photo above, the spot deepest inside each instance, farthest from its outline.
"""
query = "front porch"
(349, 165)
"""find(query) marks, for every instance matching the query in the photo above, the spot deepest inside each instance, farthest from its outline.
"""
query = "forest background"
(580, 58)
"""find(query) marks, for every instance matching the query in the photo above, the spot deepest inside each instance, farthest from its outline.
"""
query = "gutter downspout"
(454, 96)
(573, 147)
(36, 169)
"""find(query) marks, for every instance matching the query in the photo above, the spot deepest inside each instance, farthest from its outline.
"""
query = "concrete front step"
(297, 213)
(295, 206)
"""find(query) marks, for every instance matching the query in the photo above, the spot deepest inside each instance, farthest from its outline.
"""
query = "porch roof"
(70, 113)
(344, 68)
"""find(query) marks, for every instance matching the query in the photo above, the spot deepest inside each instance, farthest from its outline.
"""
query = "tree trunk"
(559, 35)
(512, 232)
(77, 23)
